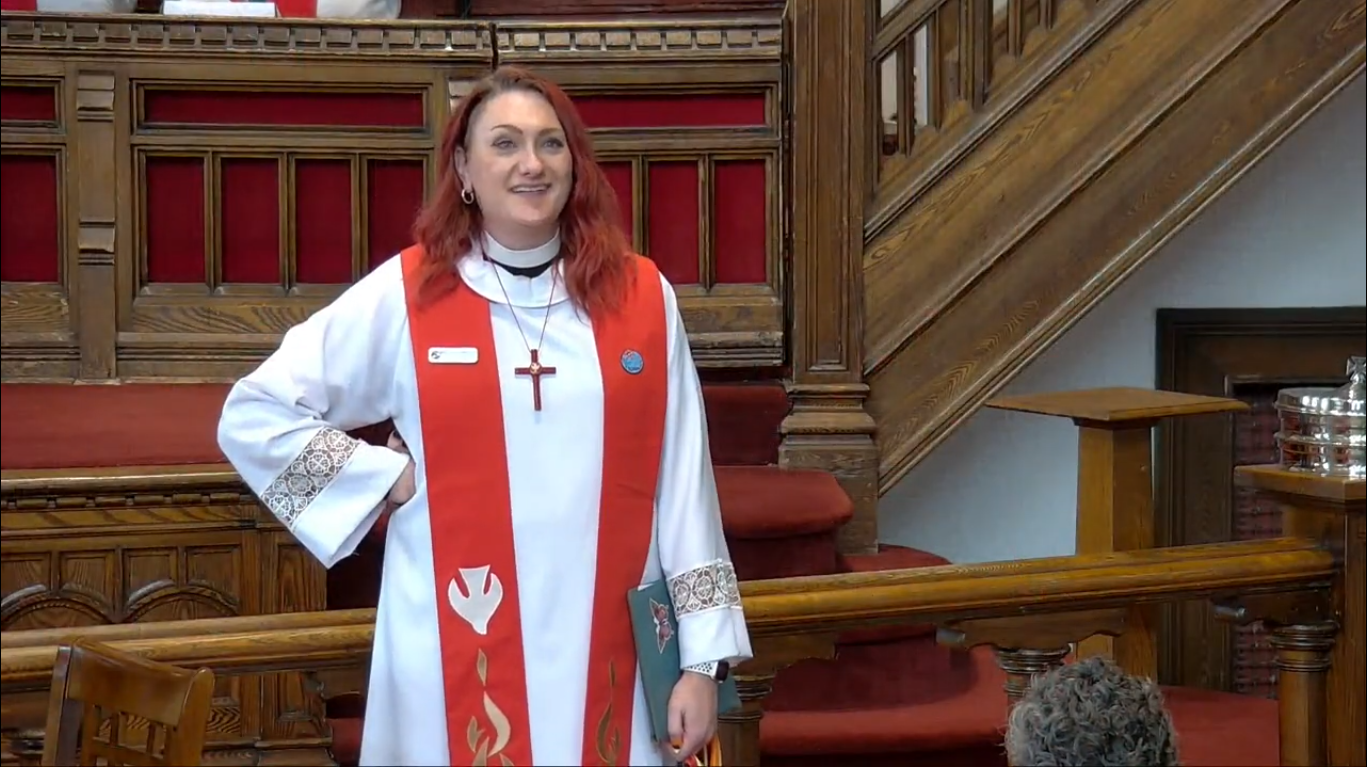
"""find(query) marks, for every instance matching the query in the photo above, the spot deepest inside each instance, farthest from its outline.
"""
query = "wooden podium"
(1115, 484)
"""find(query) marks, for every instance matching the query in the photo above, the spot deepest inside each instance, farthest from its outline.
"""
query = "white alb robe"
(350, 365)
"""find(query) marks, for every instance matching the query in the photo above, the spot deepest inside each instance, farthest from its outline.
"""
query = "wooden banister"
(1060, 584)
(785, 607)
(244, 624)
(1014, 606)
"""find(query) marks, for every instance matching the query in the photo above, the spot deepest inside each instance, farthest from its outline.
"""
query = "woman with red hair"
(553, 457)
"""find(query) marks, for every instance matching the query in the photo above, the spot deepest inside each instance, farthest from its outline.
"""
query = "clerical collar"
(519, 260)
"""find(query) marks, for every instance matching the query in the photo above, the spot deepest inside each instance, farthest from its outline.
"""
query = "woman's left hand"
(692, 714)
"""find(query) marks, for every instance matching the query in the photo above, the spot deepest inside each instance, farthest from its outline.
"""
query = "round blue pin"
(632, 361)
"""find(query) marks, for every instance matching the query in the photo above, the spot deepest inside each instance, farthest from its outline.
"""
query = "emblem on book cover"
(664, 630)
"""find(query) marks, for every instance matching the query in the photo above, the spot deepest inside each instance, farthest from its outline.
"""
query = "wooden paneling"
(984, 251)
(1216, 352)
(675, 107)
(107, 547)
(218, 181)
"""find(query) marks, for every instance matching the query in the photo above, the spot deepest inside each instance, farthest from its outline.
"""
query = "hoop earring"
(467, 196)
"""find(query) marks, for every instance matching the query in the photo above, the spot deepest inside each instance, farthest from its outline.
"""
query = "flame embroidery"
(482, 749)
(609, 740)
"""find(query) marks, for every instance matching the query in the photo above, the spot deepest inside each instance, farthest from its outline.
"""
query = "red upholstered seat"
(62, 426)
(57, 426)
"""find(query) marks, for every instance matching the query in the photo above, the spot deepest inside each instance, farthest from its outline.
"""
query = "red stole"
(471, 516)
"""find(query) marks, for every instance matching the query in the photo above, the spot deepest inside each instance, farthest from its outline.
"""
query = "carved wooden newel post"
(1329, 510)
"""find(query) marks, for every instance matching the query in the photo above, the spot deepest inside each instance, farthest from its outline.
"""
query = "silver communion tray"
(1324, 430)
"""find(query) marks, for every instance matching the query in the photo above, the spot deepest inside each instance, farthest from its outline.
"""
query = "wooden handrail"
(241, 624)
(794, 605)
(276, 649)
(1058, 584)
(203, 477)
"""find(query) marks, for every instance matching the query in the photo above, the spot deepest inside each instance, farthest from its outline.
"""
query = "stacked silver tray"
(1324, 430)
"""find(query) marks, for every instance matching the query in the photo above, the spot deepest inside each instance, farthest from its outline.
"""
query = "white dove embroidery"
(476, 605)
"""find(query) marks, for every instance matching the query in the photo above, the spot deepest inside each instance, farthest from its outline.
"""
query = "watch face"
(723, 669)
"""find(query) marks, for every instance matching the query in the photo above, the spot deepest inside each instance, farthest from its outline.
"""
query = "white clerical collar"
(520, 259)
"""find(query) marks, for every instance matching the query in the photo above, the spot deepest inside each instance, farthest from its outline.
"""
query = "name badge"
(453, 355)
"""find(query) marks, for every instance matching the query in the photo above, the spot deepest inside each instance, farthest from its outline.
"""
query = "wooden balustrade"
(1031, 610)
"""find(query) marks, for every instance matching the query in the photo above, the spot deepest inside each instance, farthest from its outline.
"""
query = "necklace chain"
(545, 320)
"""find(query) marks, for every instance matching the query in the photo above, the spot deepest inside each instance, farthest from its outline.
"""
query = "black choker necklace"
(523, 271)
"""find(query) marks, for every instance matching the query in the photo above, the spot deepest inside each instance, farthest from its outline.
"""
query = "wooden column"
(96, 153)
(1115, 486)
(1303, 663)
(828, 428)
(1331, 510)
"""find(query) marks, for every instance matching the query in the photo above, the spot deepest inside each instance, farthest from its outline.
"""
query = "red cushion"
(769, 502)
(57, 426)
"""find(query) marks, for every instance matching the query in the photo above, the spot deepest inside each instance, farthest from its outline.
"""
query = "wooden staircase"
(1056, 145)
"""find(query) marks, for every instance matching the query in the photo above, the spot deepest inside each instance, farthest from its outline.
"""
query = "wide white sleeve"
(284, 425)
(693, 553)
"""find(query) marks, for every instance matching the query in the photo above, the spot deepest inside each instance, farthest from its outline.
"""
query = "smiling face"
(519, 166)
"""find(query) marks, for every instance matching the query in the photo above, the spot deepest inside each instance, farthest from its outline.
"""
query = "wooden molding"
(448, 42)
(828, 428)
(1211, 352)
(1027, 226)
(614, 8)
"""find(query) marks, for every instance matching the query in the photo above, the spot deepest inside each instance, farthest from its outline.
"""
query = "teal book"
(657, 651)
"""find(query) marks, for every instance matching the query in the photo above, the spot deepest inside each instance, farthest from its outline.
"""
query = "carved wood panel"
(125, 549)
(210, 184)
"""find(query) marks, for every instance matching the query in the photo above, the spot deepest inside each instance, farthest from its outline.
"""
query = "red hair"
(595, 250)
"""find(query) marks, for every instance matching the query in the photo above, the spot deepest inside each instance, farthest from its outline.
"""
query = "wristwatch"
(717, 670)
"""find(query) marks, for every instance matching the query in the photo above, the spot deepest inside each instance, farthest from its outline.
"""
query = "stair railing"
(1031, 611)
(943, 74)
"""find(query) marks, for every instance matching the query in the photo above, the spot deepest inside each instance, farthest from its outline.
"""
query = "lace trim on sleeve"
(300, 484)
(709, 587)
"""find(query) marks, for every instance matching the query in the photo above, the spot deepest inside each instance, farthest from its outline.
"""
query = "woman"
(541, 380)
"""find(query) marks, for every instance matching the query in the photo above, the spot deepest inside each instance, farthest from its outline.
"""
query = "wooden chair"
(100, 695)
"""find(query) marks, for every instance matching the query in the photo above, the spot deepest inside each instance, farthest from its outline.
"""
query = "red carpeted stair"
(892, 696)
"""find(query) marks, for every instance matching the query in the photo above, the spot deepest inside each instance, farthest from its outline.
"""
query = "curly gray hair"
(1091, 713)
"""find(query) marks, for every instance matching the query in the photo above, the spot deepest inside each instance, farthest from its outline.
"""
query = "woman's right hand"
(406, 485)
